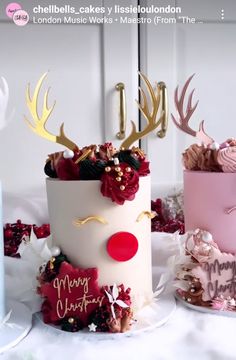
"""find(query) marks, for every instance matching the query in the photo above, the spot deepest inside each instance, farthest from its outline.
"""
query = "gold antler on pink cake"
(40, 122)
(149, 114)
(184, 118)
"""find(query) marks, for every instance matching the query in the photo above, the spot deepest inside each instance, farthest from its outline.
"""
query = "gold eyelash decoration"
(79, 222)
(149, 214)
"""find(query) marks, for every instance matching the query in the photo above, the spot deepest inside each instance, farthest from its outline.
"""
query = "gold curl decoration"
(79, 222)
(149, 214)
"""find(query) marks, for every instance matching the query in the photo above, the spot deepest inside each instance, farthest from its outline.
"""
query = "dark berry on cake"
(91, 170)
(126, 156)
(49, 171)
(72, 324)
(52, 268)
(99, 317)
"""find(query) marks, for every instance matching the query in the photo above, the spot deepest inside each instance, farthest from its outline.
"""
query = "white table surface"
(188, 335)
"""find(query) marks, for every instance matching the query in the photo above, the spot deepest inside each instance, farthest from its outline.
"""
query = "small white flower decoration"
(92, 327)
(112, 297)
(34, 250)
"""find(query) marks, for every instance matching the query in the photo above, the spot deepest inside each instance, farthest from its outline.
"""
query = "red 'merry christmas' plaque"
(74, 292)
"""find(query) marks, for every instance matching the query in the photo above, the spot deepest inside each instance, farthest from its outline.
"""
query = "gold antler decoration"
(150, 115)
(79, 221)
(83, 156)
(40, 122)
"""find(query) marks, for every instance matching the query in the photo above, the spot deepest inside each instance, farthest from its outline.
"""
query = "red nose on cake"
(122, 246)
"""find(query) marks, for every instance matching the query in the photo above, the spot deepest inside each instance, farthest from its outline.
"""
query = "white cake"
(100, 217)
(86, 245)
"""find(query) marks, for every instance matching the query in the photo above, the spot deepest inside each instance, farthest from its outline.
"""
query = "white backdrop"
(85, 63)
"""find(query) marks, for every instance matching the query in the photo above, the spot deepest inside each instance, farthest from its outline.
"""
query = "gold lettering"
(66, 284)
(62, 308)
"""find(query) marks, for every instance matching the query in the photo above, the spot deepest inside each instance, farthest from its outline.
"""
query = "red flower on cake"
(120, 183)
(144, 168)
(67, 169)
(73, 292)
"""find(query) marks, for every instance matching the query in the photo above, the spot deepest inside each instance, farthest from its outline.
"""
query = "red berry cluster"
(162, 223)
(13, 234)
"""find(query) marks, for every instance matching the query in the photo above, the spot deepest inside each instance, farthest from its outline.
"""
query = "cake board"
(147, 319)
(205, 309)
(16, 327)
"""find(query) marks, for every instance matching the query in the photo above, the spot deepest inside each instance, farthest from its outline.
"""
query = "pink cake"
(209, 202)
(208, 269)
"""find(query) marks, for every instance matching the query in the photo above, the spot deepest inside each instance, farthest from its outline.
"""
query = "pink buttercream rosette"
(227, 159)
(214, 158)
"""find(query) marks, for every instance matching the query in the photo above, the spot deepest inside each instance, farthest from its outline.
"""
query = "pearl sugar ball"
(55, 251)
(68, 154)
(214, 146)
(206, 236)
